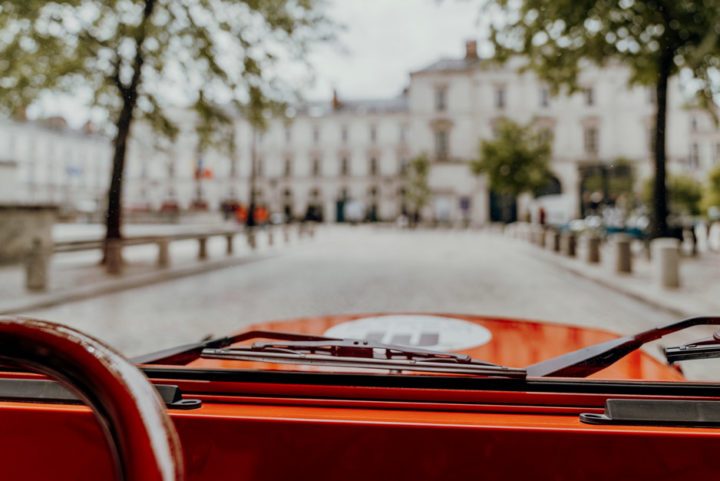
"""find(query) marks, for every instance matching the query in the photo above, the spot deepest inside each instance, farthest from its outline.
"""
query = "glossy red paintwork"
(245, 440)
(271, 430)
(135, 421)
(515, 343)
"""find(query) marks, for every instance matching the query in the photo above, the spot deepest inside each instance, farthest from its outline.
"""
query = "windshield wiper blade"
(589, 360)
(189, 352)
(359, 348)
(438, 365)
(306, 348)
(361, 354)
(708, 348)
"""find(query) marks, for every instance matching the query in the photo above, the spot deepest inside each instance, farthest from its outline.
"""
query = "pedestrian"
(261, 215)
(241, 214)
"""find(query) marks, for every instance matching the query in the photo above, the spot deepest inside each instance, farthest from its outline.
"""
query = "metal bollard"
(36, 267)
(666, 255)
(569, 244)
(286, 233)
(113, 256)
(230, 245)
(163, 259)
(623, 254)
(202, 248)
(593, 249)
(270, 237)
(552, 240)
(250, 234)
(540, 236)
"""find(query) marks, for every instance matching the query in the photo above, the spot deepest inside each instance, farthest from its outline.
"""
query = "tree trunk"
(660, 208)
(113, 219)
(114, 211)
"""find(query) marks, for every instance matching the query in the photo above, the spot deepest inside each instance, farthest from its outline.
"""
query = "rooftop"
(450, 64)
(470, 60)
(361, 106)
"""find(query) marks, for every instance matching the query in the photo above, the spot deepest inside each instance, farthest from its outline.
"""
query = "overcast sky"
(386, 39)
(381, 43)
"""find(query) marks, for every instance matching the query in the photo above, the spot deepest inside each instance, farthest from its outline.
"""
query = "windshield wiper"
(361, 354)
(708, 348)
(589, 360)
(328, 351)
(190, 352)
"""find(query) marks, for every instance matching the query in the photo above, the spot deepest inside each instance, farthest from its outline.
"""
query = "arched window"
(552, 187)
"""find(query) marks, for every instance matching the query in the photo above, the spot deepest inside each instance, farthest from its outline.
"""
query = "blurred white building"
(343, 156)
(45, 162)
(351, 152)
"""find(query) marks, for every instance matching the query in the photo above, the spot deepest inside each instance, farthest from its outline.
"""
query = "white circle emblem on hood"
(426, 332)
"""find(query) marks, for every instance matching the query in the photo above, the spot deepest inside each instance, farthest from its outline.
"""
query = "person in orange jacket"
(261, 215)
(240, 214)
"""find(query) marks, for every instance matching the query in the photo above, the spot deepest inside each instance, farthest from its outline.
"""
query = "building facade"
(331, 155)
(344, 159)
(46, 162)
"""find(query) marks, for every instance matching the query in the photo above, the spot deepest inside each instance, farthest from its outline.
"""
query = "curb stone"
(46, 300)
(650, 301)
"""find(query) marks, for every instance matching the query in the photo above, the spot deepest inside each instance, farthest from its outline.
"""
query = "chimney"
(471, 50)
(336, 104)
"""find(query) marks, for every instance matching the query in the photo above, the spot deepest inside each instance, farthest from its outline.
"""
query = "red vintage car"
(401, 397)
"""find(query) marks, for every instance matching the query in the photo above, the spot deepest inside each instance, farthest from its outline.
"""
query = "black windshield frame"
(401, 381)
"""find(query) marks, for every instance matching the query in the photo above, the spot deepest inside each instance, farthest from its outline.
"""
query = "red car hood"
(508, 342)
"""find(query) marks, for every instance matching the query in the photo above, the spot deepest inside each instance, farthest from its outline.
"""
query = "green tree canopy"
(712, 191)
(684, 192)
(137, 58)
(655, 39)
(516, 160)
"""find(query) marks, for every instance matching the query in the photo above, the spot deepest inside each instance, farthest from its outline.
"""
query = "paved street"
(351, 270)
(354, 270)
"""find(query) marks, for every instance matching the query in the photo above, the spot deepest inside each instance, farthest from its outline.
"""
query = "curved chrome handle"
(133, 417)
